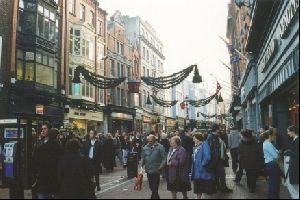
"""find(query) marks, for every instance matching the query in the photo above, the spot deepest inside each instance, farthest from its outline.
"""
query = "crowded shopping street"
(140, 99)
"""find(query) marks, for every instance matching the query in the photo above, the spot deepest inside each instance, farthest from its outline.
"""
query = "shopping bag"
(139, 181)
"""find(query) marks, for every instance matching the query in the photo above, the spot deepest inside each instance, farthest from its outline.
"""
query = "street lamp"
(187, 111)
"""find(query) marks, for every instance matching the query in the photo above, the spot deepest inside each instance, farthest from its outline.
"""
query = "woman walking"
(177, 169)
(273, 171)
(203, 180)
(109, 153)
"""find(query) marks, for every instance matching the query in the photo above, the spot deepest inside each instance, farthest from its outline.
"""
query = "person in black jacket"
(44, 166)
(251, 158)
(75, 174)
(188, 145)
(109, 153)
(293, 170)
(93, 151)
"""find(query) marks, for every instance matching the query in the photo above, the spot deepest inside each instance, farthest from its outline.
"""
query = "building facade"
(151, 64)
(122, 62)
(85, 39)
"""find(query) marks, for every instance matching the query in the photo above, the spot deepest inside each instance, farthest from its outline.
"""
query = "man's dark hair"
(215, 127)
(294, 129)
(53, 133)
(266, 127)
(47, 124)
(94, 131)
(246, 133)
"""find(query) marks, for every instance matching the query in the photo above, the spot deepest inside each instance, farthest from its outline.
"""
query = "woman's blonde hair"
(108, 136)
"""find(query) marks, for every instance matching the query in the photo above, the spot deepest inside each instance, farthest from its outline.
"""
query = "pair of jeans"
(234, 156)
(154, 180)
(273, 173)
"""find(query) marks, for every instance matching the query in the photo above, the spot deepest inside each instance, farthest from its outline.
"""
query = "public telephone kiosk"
(10, 160)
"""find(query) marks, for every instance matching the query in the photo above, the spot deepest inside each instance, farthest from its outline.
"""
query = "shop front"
(147, 122)
(138, 122)
(82, 121)
(278, 72)
(122, 122)
(180, 123)
(170, 125)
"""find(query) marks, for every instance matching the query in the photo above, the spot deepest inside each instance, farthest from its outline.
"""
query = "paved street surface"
(125, 190)
(116, 186)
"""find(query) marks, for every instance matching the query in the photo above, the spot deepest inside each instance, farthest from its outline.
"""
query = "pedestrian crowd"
(69, 168)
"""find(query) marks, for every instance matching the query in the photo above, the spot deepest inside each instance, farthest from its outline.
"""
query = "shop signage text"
(8, 121)
(288, 16)
(271, 49)
(122, 116)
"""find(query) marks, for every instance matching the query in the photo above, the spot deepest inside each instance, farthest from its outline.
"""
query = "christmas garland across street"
(96, 80)
(224, 116)
(203, 102)
(167, 82)
(164, 103)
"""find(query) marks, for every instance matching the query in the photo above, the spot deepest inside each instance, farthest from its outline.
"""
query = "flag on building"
(234, 53)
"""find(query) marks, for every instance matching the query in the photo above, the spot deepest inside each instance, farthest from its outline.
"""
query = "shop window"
(46, 70)
(29, 23)
(29, 71)
(20, 15)
(20, 64)
(46, 23)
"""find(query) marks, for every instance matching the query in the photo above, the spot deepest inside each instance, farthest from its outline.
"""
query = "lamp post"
(187, 111)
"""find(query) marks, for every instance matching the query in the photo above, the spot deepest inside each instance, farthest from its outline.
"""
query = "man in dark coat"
(93, 151)
(293, 170)
(75, 174)
(109, 153)
(251, 158)
(188, 145)
(44, 166)
(219, 159)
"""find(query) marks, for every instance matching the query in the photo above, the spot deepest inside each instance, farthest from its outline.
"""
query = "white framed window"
(82, 13)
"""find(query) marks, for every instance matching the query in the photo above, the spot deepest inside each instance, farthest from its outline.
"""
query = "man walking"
(153, 159)
(234, 140)
(219, 158)
(94, 153)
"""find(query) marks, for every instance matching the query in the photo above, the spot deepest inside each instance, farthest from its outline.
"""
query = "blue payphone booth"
(9, 160)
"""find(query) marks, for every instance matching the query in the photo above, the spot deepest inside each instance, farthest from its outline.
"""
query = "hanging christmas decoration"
(203, 102)
(96, 80)
(164, 103)
(167, 82)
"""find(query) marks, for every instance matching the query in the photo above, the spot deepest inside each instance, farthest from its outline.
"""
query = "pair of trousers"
(251, 178)
(239, 174)
(220, 176)
(234, 156)
(274, 180)
(154, 180)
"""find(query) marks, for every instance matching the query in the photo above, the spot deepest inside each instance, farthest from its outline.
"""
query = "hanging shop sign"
(271, 49)
(39, 109)
(134, 86)
(147, 119)
(287, 17)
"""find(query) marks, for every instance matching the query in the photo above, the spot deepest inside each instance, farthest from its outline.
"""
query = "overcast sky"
(189, 30)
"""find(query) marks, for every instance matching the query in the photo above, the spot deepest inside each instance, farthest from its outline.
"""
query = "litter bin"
(132, 164)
